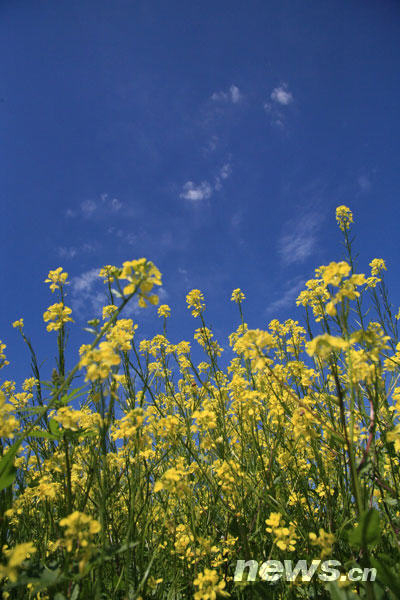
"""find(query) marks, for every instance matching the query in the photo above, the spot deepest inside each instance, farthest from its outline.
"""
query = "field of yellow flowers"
(157, 475)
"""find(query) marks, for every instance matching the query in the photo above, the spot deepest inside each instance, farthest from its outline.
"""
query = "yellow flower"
(108, 311)
(323, 345)
(314, 296)
(58, 314)
(15, 558)
(251, 345)
(331, 309)
(237, 296)
(164, 311)
(8, 423)
(57, 279)
(19, 324)
(72, 419)
(29, 384)
(173, 480)
(128, 426)
(206, 419)
(334, 272)
(273, 521)
(394, 436)
(344, 217)
(372, 282)
(183, 347)
(122, 334)
(109, 273)
(377, 265)
(142, 275)
(325, 541)
(3, 360)
(208, 586)
(80, 530)
(77, 521)
(20, 400)
(98, 361)
(284, 537)
(195, 300)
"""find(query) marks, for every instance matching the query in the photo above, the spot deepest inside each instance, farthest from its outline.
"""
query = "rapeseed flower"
(57, 314)
(57, 279)
(344, 217)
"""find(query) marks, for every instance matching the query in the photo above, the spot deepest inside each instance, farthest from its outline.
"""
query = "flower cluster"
(142, 275)
(195, 301)
(209, 586)
(15, 558)
(154, 470)
(99, 361)
(58, 314)
(344, 217)
(57, 279)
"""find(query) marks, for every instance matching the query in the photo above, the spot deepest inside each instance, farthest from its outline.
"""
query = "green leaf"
(367, 532)
(86, 433)
(366, 468)
(386, 575)
(379, 592)
(74, 394)
(391, 501)
(7, 469)
(7, 478)
(50, 577)
(31, 410)
(54, 428)
(337, 593)
(40, 433)
(344, 529)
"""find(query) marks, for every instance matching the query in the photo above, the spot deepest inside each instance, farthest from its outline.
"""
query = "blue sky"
(214, 138)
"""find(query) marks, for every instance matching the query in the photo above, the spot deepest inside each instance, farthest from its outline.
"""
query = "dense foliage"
(149, 476)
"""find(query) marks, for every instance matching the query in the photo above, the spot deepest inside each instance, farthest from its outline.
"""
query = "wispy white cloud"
(88, 296)
(364, 183)
(67, 252)
(237, 219)
(224, 173)
(233, 95)
(281, 95)
(277, 117)
(88, 207)
(196, 193)
(70, 252)
(113, 204)
(298, 239)
(83, 283)
(211, 145)
(203, 191)
(126, 237)
(236, 95)
(287, 298)
(162, 294)
(184, 274)
(102, 206)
